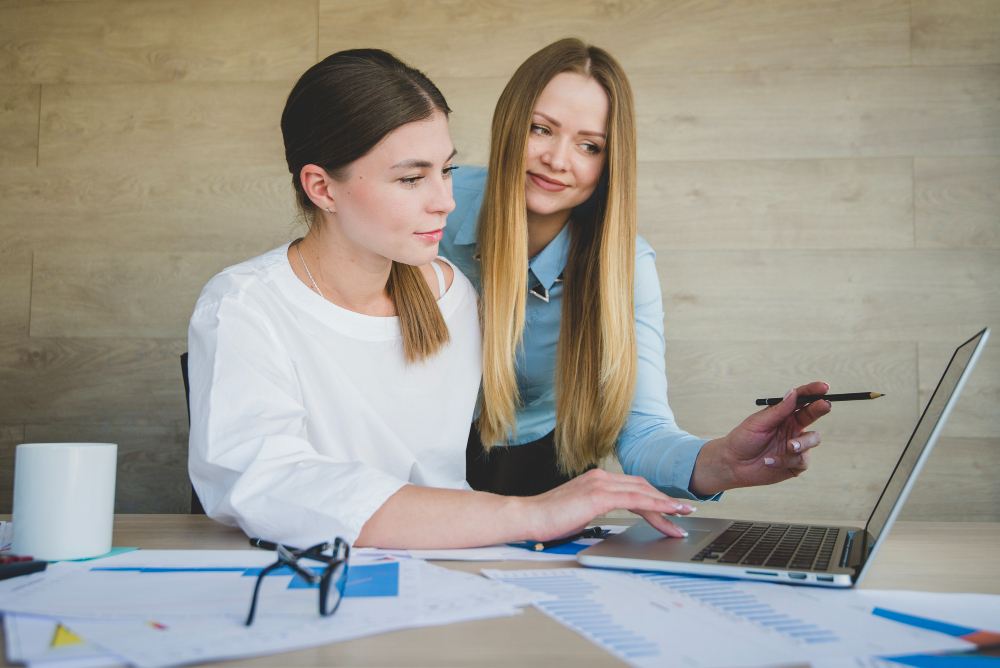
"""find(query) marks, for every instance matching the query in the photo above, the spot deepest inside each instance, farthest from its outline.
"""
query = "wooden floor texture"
(820, 180)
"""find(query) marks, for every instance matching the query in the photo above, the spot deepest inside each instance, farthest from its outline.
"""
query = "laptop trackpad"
(644, 542)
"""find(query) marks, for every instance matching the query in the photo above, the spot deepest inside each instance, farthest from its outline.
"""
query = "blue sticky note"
(566, 548)
(113, 552)
(365, 580)
(947, 661)
(924, 623)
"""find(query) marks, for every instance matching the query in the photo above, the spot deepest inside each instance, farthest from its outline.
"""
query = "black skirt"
(515, 470)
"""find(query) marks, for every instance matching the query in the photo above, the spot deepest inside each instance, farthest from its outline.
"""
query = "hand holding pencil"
(769, 446)
(809, 398)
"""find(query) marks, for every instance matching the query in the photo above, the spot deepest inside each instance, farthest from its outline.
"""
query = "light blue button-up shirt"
(651, 444)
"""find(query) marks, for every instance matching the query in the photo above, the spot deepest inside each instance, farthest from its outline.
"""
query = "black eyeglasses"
(331, 581)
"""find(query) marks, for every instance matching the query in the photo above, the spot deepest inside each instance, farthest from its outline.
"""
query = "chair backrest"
(196, 507)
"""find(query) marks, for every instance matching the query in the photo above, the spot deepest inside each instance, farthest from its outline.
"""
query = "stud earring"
(328, 210)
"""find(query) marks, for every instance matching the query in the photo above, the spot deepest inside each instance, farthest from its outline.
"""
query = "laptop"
(819, 555)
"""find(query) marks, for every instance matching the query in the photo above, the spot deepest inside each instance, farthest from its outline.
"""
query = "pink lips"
(430, 236)
(547, 184)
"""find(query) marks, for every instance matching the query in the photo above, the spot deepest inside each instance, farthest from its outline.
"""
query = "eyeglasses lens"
(332, 588)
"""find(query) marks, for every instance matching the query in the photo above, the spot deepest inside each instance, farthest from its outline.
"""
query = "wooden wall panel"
(91, 380)
(789, 115)
(946, 111)
(956, 33)
(713, 384)
(152, 462)
(472, 102)
(964, 471)
(140, 295)
(183, 126)
(19, 125)
(493, 38)
(822, 197)
(102, 41)
(230, 209)
(15, 293)
(976, 414)
(944, 296)
(830, 204)
(957, 202)
(10, 438)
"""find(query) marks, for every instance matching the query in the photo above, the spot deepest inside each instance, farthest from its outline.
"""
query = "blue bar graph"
(732, 598)
(577, 608)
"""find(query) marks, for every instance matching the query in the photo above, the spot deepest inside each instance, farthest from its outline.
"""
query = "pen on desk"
(592, 532)
(261, 543)
(809, 398)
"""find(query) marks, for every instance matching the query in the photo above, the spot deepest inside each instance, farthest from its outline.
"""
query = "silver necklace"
(308, 273)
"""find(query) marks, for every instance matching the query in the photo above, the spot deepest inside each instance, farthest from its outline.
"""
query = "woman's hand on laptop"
(769, 446)
(568, 508)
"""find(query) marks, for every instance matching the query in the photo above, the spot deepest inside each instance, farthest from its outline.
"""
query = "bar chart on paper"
(733, 598)
(647, 618)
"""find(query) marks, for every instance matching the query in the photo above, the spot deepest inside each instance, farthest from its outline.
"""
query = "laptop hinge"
(857, 547)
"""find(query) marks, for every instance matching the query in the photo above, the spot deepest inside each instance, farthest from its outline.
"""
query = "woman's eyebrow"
(591, 133)
(416, 162)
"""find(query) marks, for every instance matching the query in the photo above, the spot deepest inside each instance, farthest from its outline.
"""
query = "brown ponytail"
(421, 324)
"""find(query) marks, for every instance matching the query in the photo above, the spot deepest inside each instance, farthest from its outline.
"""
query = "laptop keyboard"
(804, 548)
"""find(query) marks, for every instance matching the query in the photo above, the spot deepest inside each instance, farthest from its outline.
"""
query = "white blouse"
(305, 417)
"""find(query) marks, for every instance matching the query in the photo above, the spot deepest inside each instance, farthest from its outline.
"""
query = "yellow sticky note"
(64, 636)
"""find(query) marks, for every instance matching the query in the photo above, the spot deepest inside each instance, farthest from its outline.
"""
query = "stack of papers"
(653, 619)
(157, 608)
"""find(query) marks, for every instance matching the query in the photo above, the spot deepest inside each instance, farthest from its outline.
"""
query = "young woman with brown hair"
(333, 379)
(573, 348)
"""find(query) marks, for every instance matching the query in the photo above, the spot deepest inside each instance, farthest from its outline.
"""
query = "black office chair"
(196, 507)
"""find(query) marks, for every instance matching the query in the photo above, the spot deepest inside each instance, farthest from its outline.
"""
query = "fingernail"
(796, 446)
(679, 506)
(788, 394)
(690, 508)
(769, 461)
(683, 532)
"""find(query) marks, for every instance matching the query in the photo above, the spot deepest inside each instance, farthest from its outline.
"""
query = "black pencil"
(809, 398)
(592, 532)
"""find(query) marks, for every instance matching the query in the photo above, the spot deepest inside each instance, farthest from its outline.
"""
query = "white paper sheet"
(647, 619)
(30, 640)
(199, 600)
(976, 611)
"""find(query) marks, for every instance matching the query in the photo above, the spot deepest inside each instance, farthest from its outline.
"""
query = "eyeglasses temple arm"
(256, 589)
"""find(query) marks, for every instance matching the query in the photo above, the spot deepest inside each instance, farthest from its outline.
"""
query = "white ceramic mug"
(64, 499)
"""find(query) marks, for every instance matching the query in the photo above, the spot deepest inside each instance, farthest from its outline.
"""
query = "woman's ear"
(316, 183)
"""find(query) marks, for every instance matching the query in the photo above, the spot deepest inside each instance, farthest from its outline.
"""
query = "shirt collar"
(466, 234)
(550, 263)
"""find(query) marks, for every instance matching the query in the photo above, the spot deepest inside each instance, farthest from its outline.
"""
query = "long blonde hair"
(596, 358)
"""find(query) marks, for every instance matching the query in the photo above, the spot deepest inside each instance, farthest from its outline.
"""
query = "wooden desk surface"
(928, 556)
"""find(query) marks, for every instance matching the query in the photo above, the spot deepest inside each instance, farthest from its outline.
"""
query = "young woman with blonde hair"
(333, 379)
(572, 316)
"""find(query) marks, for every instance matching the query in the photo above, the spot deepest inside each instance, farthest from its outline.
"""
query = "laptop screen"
(921, 435)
